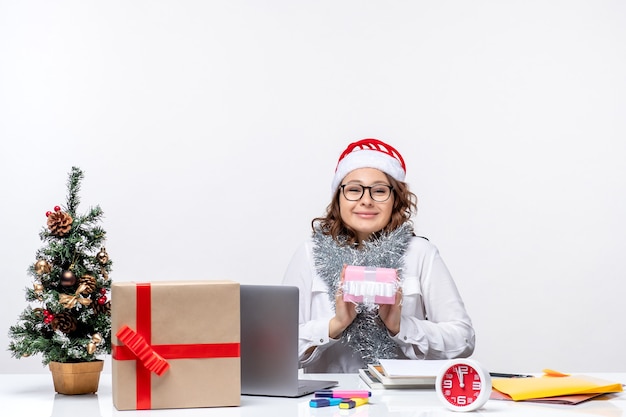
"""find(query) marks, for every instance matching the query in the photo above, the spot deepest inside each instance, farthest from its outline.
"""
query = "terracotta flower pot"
(76, 378)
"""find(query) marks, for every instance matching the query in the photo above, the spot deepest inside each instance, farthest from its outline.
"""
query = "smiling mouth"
(365, 214)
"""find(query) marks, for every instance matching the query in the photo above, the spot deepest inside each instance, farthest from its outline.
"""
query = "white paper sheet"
(409, 367)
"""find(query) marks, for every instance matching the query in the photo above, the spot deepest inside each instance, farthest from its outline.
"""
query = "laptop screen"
(269, 339)
(269, 343)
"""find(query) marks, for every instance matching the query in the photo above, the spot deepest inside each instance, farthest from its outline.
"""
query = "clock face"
(463, 385)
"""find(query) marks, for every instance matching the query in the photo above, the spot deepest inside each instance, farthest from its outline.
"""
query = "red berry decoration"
(103, 291)
(57, 208)
(102, 300)
(48, 213)
(47, 317)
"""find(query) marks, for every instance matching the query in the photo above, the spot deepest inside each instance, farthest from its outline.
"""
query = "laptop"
(269, 343)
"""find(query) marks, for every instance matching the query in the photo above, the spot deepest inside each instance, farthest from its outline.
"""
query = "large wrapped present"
(175, 344)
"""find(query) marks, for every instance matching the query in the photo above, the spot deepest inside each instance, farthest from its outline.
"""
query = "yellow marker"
(353, 402)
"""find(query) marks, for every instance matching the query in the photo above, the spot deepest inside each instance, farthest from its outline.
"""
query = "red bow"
(142, 350)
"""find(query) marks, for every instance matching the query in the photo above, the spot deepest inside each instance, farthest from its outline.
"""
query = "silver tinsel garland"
(367, 335)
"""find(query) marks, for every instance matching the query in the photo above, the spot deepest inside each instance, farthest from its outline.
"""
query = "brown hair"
(404, 207)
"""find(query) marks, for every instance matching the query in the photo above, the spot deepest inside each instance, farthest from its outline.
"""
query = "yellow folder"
(520, 389)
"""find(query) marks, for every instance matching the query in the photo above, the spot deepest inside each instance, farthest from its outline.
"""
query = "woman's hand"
(345, 312)
(390, 314)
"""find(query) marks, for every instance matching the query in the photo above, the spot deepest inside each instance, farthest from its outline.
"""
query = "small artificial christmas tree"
(72, 322)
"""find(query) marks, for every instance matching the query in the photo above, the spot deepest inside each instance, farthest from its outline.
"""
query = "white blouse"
(434, 322)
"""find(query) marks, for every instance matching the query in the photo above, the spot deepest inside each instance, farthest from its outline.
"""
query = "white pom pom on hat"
(369, 153)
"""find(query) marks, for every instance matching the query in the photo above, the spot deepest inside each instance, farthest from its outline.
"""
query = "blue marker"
(324, 402)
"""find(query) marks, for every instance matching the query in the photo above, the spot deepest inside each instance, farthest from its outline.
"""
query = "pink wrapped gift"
(369, 285)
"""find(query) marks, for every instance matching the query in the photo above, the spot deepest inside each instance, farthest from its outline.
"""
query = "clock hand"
(459, 374)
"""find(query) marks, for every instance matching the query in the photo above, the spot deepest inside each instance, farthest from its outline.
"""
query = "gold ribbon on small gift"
(69, 301)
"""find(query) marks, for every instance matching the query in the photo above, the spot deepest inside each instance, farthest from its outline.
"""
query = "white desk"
(25, 395)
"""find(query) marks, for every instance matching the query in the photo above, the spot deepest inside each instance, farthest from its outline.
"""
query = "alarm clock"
(463, 385)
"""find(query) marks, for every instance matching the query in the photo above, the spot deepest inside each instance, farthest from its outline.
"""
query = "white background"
(208, 132)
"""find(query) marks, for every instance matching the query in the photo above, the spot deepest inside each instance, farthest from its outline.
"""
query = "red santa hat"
(369, 153)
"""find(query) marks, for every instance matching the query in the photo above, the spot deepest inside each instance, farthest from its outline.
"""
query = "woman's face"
(365, 216)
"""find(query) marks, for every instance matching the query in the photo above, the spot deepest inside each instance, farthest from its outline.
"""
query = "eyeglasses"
(379, 192)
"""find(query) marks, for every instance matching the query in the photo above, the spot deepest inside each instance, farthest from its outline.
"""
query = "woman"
(368, 223)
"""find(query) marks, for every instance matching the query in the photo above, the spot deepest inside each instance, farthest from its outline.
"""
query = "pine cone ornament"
(102, 308)
(89, 282)
(64, 322)
(38, 312)
(59, 223)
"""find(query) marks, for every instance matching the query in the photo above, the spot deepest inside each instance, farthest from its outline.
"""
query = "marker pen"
(324, 402)
(329, 393)
(503, 375)
(353, 402)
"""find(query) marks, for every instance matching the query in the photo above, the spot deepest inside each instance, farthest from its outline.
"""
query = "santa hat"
(369, 153)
